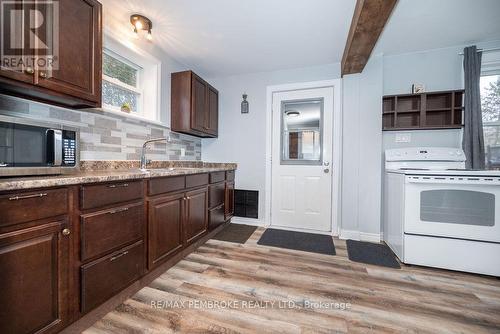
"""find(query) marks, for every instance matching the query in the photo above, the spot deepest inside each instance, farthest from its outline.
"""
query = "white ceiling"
(227, 37)
(417, 25)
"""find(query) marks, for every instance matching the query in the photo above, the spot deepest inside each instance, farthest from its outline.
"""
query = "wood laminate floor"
(201, 288)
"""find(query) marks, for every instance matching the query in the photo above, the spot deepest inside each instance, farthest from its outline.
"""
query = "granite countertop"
(83, 177)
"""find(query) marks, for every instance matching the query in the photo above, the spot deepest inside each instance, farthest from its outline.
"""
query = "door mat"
(307, 242)
(371, 253)
(237, 233)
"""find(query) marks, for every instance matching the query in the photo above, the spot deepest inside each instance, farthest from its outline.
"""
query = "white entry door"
(302, 126)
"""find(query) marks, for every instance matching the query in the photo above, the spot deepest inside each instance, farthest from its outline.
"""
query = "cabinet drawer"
(24, 207)
(196, 180)
(217, 177)
(109, 229)
(105, 277)
(230, 175)
(216, 217)
(166, 184)
(216, 194)
(94, 196)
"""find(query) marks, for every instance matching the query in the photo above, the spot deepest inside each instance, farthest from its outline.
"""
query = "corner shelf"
(426, 111)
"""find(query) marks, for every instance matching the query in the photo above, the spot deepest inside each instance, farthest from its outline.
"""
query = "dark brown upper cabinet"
(431, 110)
(195, 105)
(76, 82)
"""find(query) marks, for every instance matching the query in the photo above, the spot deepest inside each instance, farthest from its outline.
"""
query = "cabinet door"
(198, 104)
(213, 111)
(229, 201)
(165, 227)
(196, 214)
(13, 34)
(33, 279)
(80, 52)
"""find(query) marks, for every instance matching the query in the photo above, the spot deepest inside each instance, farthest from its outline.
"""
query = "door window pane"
(452, 206)
(302, 132)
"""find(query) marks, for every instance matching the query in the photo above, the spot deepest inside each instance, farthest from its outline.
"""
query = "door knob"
(326, 163)
(43, 75)
(66, 231)
(30, 70)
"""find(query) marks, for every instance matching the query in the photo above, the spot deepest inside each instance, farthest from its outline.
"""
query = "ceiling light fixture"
(140, 22)
(292, 113)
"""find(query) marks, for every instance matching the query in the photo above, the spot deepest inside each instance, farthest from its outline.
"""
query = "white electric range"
(438, 214)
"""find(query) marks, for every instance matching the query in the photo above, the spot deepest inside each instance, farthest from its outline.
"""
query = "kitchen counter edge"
(51, 181)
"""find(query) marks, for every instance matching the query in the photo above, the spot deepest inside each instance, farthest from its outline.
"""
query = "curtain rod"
(483, 50)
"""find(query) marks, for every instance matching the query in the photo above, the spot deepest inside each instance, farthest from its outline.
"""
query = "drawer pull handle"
(112, 212)
(123, 185)
(16, 198)
(118, 256)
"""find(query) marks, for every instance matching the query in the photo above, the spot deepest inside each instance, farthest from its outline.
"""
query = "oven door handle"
(57, 145)
(456, 180)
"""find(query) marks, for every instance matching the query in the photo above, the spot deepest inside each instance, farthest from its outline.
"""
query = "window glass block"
(119, 70)
(113, 95)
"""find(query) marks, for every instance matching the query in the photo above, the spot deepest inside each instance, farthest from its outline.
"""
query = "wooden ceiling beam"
(368, 21)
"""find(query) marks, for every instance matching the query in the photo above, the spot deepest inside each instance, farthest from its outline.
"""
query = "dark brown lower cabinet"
(55, 270)
(196, 221)
(103, 278)
(104, 231)
(216, 192)
(33, 279)
(229, 201)
(165, 227)
(216, 217)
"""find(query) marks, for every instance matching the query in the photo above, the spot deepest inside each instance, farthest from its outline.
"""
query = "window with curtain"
(490, 106)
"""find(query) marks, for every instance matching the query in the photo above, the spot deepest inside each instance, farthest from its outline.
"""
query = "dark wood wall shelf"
(426, 111)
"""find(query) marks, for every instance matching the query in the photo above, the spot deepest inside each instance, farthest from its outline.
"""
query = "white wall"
(438, 69)
(242, 137)
(362, 144)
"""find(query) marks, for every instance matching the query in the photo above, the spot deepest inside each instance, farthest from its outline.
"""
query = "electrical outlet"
(183, 152)
(403, 138)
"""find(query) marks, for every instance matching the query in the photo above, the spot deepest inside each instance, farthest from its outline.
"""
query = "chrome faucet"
(143, 152)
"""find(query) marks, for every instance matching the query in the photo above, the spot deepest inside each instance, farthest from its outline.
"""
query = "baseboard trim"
(361, 236)
(248, 221)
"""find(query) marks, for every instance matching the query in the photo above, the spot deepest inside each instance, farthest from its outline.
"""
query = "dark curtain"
(473, 140)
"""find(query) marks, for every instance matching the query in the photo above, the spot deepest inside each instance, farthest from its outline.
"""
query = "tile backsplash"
(107, 136)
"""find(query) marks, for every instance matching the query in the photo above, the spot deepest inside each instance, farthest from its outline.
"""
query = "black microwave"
(27, 148)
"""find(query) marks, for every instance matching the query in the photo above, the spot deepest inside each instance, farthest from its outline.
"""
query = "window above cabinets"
(121, 89)
(131, 81)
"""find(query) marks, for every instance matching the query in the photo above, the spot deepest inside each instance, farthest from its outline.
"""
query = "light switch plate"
(183, 152)
(403, 137)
